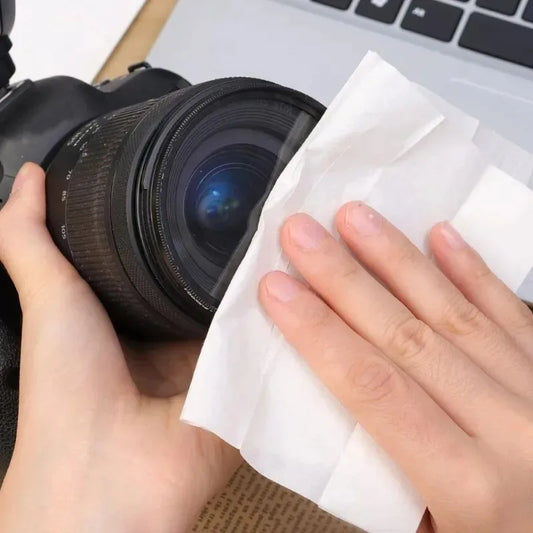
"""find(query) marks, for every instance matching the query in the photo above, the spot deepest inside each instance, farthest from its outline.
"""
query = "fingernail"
(305, 232)
(282, 287)
(20, 179)
(452, 237)
(363, 219)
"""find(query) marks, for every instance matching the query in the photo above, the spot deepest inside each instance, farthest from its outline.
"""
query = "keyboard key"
(382, 10)
(433, 19)
(528, 12)
(339, 4)
(499, 38)
(507, 7)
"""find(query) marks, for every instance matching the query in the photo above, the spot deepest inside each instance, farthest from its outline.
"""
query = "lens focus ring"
(87, 209)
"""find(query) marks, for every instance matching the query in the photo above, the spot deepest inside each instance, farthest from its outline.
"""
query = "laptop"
(477, 54)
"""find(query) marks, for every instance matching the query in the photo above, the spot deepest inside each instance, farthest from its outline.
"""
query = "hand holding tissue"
(417, 160)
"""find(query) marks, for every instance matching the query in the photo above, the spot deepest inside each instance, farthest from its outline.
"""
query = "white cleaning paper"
(418, 161)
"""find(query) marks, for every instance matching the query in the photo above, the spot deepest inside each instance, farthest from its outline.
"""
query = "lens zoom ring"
(87, 214)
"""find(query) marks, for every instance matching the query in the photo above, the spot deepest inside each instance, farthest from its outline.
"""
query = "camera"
(154, 189)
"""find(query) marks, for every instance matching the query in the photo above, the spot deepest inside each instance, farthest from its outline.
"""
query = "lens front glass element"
(223, 192)
(214, 172)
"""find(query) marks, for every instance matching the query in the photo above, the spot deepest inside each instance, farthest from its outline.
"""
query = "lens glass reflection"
(222, 193)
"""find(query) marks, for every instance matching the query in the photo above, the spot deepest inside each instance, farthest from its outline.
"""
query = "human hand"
(436, 364)
(96, 450)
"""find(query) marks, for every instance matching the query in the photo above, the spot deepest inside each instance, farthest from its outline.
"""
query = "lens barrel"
(156, 204)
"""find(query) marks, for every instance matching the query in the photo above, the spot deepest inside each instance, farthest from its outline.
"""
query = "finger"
(26, 248)
(447, 374)
(431, 297)
(400, 416)
(465, 268)
(68, 345)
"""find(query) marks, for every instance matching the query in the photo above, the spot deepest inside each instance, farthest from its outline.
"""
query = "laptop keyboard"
(503, 35)
(439, 20)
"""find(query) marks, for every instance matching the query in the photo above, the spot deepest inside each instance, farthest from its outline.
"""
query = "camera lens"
(223, 191)
(156, 204)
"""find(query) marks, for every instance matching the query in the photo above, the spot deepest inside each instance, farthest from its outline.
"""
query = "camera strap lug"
(143, 65)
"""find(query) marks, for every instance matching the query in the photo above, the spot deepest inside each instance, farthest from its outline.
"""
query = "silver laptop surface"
(476, 54)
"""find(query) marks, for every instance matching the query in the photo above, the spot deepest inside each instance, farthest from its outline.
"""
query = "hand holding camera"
(101, 446)
(154, 189)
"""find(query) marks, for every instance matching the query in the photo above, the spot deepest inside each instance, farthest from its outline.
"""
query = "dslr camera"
(154, 189)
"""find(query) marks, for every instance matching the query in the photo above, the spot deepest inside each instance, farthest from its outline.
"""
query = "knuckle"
(374, 381)
(406, 256)
(462, 318)
(481, 274)
(316, 316)
(350, 275)
(408, 338)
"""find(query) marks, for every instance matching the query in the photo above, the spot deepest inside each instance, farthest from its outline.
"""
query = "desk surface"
(139, 39)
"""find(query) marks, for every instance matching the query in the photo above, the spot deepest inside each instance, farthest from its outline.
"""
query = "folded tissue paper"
(417, 160)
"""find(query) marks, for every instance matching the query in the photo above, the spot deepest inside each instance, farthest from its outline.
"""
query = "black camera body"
(35, 118)
(154, 190)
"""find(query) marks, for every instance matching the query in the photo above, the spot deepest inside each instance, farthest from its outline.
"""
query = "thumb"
(26, 248)
(69, 345)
